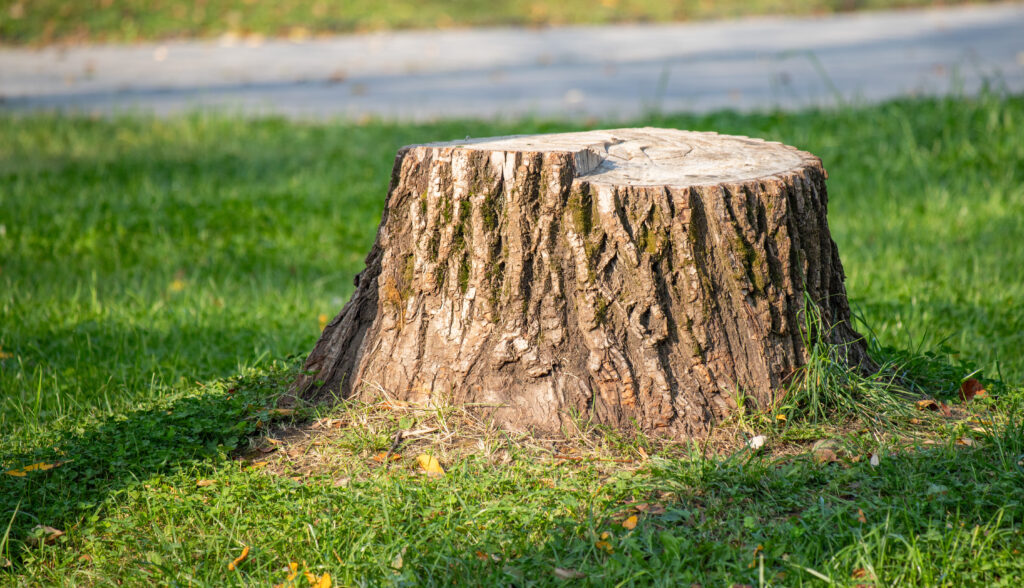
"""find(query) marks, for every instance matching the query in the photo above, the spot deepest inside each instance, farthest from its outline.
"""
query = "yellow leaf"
(238, 560)
(323, 321)
(293, 570)
(757, 550)
(605, 546)
(205, 483)
(259, 464)
(781, 418)
(40, 467)
(430, 464)
(399, 560)
(324, 581)
(629, 523)
(380, 457)
(310, 578)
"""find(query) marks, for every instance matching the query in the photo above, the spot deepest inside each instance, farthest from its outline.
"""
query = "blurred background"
(40, 22)
(428, 60)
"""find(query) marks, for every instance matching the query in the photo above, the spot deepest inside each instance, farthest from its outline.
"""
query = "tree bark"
(640, 278)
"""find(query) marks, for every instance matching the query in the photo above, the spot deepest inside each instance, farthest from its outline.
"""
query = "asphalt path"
(608, 71)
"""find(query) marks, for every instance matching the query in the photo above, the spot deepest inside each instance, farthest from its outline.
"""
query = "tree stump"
(639, 278)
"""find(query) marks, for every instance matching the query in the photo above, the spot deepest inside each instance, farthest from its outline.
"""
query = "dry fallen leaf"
(281, 412)
(946, 411)
(971, 388)
(205, 483)
(430, 465)
(36, 467)
(568, 574)
(825, 455)
(875, 460)
(859, 573)
(399, 560)
(630, 523)
(757, 442)
(238, 560)
(781, 418)
(43, 535)
(653, 509)
(927, 404)
(604, 545)
(383, 455)
(860, 517)
(757, 551)
(258, 464)
(323, 582)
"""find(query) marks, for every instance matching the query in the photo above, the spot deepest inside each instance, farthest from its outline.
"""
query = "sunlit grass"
(160, 279)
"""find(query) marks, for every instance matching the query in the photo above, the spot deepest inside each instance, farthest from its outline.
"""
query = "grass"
(160, 280)
(36, 22)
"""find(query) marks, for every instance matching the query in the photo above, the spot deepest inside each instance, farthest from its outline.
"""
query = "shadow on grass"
(945, 504)
(928, 516)
(195, 429)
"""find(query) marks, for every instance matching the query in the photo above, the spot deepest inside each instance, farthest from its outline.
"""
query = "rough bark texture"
(637, 277)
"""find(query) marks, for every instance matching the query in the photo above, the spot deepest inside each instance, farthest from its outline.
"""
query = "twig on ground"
(394, 445)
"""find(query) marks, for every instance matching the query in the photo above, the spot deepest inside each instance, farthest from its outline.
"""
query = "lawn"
(161, 278)
(38, 22)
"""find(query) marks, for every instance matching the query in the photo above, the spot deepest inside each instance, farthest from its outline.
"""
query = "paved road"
(616, 71)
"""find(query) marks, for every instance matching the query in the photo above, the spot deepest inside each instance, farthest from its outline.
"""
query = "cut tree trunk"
(640, 278)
